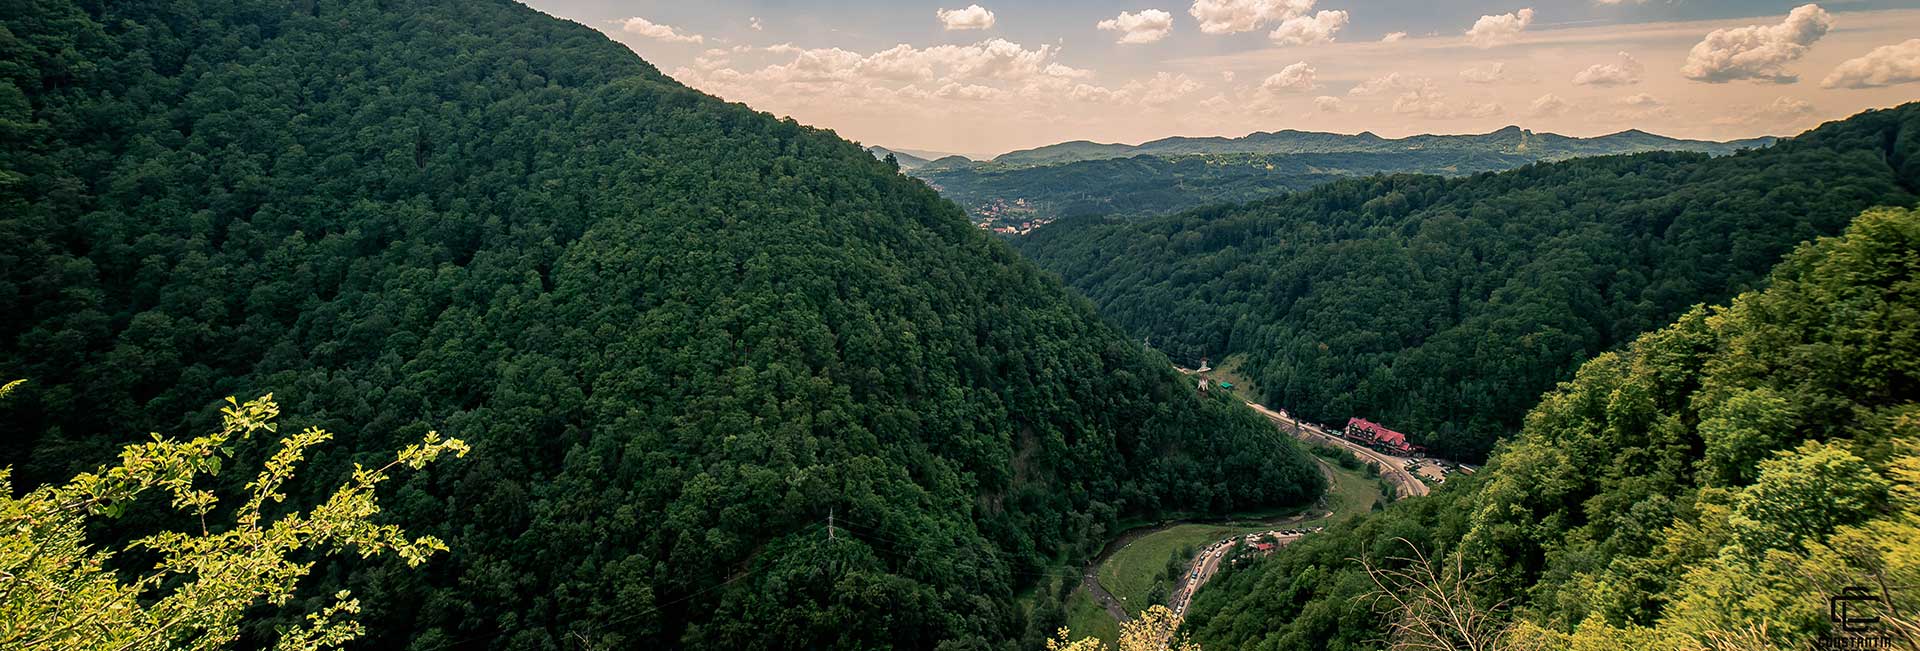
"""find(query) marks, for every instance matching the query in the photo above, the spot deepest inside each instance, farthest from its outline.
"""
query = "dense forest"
(678, 334)
(1445, 307)
(1144, 186)
(1707, 487)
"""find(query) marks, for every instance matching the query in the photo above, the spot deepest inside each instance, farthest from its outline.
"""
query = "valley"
(584, 326)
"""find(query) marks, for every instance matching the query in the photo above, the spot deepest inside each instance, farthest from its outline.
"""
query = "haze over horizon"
(985, 78)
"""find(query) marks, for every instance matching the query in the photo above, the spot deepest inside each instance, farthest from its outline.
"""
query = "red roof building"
(1366, 431)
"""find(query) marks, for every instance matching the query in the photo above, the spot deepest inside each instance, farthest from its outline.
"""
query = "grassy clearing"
(1230, 370)
(1132, 571)
(1086, 618)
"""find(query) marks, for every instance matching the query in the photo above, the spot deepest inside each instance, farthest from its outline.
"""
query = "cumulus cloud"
(1884, 66)
(1309, 30)
(1624, 72)
(1162, 88)
(1298, 77)
(754, 22)
(1757, 52)
(656, 31)
(972, 17)
(1382, 84)
(1135, 28)
(1640, 100)
(1490, 31)
(1393, 37)
(1548, 105)
(1486, 74)
(1330, 104)
(1232, 16)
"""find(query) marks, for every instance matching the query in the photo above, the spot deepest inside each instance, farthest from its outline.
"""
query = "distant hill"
(907, 161)
(1509, 140)
(1172, 174)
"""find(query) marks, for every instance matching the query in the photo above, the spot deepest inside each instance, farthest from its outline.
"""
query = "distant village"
(1007, 217)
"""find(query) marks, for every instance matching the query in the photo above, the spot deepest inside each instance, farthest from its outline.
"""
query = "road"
(1392, 468)
(1207, 564)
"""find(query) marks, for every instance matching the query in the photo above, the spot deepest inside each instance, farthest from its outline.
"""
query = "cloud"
(1148, 26)
(1783, 111)
(1309, 30)
(1641, 100)
(1884, 66)
(1485, 74)
(1330, 104)
(1381, 84)
(1298, 77)
(967, 92)
(1393, 37)
(1232, 16)
(972, 17)
(1757, 52)
(1490, 31)
(1548, 105)
(656, 31)
(1625, 72)
(1160, 89)
(754, 22)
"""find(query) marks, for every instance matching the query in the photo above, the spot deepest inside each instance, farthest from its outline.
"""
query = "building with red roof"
(1377, 435)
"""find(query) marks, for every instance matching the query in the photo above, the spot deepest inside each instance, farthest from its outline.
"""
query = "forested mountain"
(1157, 185)
(1445, 307)
(1509, 140)
(679, 334)
(1708, 487)
(1164, 176)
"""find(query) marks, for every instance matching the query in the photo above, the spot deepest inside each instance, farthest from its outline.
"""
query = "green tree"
(61, 593)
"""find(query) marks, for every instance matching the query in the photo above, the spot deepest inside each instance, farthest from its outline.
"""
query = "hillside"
(1445, 307)
(679, 334)
(1156, 185)
(907, 161)
(1174, 174)
(1707, 487)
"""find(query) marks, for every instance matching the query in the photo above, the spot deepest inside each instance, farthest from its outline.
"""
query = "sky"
(982, 77)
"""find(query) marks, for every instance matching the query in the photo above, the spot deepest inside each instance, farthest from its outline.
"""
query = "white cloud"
(972, 17)
(1298, 77)
(1226, 76)
(1393, 37)
(1309, 30)
(656, 31)
(1383, 83)
(1620, 2)
(1160, 89)
(1757, 52)
(1783, 111)
(1640, 100)
(1330, 104)
(967, 92)
(1884, 66)
(1231, 16)
(1624, 72)
(1490, 31)
(1548, 105)
(1485, 74)
(1145, 27)
(754, 22)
